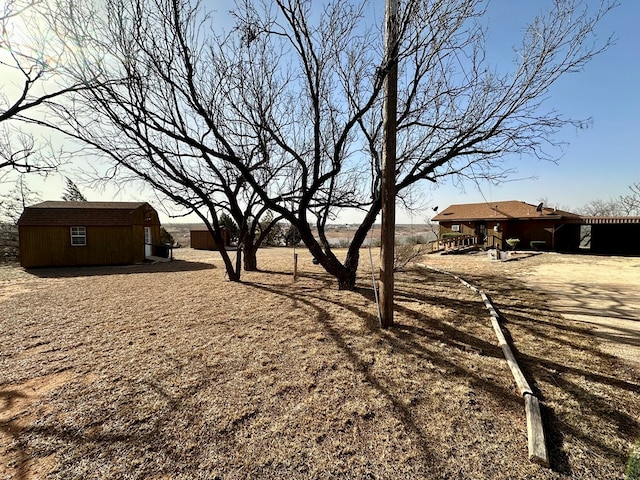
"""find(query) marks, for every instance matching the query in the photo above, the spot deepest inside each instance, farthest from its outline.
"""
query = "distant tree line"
(622, 206)
(274, 234)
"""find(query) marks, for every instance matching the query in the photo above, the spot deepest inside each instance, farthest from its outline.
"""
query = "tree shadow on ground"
(529, 324)
(412, 338)
(146, 268)
(88, 437)
(312, 300)
(407, 340)
(9, 430)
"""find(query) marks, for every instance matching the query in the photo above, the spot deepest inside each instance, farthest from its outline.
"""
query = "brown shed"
(59, 234)
(201, 238)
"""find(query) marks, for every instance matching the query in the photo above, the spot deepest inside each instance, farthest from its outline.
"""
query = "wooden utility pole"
(388, 184)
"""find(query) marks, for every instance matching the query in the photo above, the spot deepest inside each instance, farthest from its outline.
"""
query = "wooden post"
(295, 267)
(535, 429)
(535, 433)
(388, 184)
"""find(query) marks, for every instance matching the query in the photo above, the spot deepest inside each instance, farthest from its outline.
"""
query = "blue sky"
(599, 162)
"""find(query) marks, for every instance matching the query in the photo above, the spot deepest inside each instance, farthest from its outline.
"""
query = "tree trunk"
(250, 250)
(250, 258)
(232, 273)
(345, 273)
(347, 279)
(353, 255)
(346, 276)
(233, 276)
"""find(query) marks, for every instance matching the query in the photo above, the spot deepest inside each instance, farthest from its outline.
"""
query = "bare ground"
(168, 371)
(601, 293)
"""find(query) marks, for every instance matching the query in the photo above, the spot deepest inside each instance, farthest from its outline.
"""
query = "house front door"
(481, 233)
(147, 241)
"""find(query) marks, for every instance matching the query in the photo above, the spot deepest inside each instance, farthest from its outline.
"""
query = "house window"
(78, 236)
(455, 228)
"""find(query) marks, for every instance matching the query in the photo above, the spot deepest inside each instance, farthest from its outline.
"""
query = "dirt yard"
(168, 371)
(602, 293)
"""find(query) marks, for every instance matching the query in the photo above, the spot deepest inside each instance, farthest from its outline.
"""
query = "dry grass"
(170, 372)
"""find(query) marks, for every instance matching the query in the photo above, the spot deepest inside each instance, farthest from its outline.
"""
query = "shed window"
(78, 236)
(455, 228)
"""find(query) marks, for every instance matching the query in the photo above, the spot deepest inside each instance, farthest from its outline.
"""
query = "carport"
(612, 235)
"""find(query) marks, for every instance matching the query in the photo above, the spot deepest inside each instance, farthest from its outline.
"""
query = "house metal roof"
(54, 213)
(508, 210)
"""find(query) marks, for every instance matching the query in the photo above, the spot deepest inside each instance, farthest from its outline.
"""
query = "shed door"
(147, 241)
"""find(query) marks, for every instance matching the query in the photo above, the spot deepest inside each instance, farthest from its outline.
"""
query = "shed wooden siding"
(201, 239)
(114, 234)
(51, 246)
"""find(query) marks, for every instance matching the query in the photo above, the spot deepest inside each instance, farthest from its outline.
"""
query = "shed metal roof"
(609, 220)
(54, 213)
(89, 205)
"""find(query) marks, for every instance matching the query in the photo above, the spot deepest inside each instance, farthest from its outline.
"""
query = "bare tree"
(283, 113)
(16, 200)
(631, 202)
(12, 204)
(458, 115)
(623, 206)
(30, 72)
(170, 112)
(602, 208)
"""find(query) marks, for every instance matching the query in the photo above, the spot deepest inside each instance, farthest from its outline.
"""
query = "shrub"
(537, 244)
(407, 253)
(165, 237)
(276, 236)
(292, 236)
(513, 243)
(8, 242)
(416, 240)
